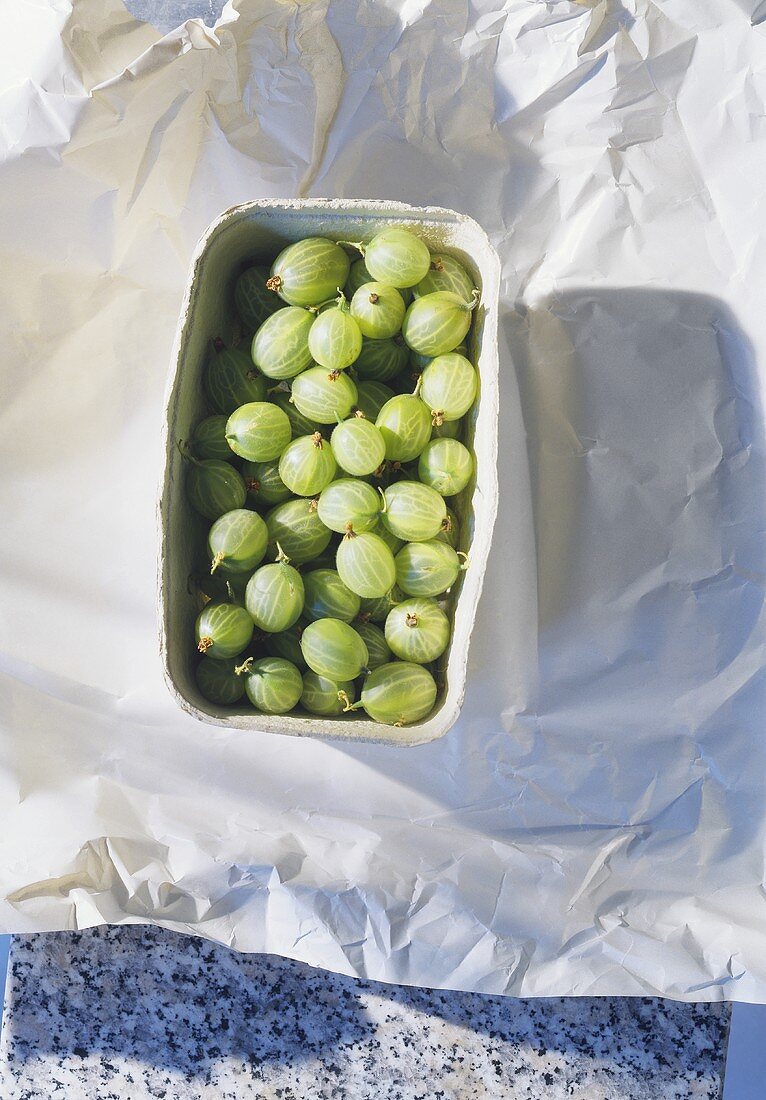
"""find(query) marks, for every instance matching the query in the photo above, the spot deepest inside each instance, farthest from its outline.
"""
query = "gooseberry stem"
(350, 532)
(353, 244)
(282, 557)
(317, 440)
(194, 588)
(204, 643)
(185, 451)
(384, 507)
(244, 667)
(347, 704)
(216, 561)
(474, 300)
(462, 554)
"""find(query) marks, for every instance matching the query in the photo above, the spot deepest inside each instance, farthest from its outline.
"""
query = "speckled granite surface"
(134, 1013)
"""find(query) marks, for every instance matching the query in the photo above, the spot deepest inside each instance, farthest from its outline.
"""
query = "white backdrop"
(595, 822)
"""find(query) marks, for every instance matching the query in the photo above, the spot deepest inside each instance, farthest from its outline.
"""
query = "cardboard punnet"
(255, 232)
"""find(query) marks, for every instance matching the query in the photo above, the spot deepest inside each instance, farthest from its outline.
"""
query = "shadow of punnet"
(173, 1002)
(646, 439)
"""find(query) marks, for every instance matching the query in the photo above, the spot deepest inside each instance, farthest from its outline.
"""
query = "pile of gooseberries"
(329, 467)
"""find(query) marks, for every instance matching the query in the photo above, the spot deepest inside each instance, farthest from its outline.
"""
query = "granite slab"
(135, 1012)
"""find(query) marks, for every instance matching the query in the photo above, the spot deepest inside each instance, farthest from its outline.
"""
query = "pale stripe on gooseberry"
(405, 424)
(309, 272)
(237, 541)
(417, 630)
(378, 651)
(397, 257)
(274, 596)
(223, 630)
(254, 301)
(208, 440)
(299, 424)
(437, 323)
(399, 693)
(446, 465)
(378, 310)
(333, 649)
(214, 487)
(258, 431)
(326, 697)
(280, 347)
(381, 360)
(231, 379)
(358, 446)
(327, 597)
(335, 339)
(218, 681)
(273, 685)
(426, 568)
(448, 387)
(307, 465)
(263, 483)
(297, 528)
(365, 564)
(324, 396)
(446, 273)
(413, 512)
(371, 397)
(349, 501)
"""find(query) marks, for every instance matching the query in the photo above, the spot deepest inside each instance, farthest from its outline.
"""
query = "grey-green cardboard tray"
(255, 232)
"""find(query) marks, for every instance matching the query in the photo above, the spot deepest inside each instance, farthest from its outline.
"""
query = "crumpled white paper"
(595, 822)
